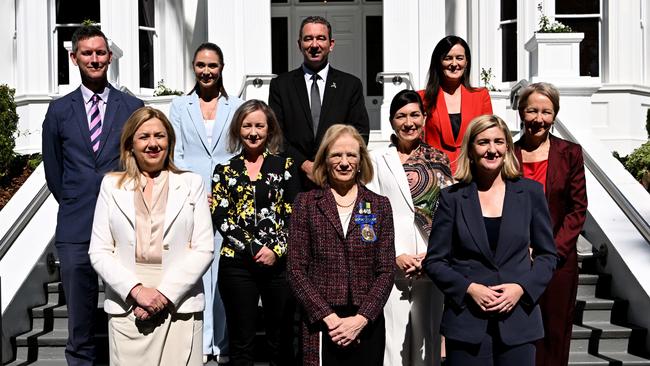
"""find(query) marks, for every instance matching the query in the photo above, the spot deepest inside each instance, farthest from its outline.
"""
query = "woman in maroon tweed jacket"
(558, 165)
(341, 277)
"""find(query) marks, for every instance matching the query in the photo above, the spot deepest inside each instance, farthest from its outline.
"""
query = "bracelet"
(137, 293)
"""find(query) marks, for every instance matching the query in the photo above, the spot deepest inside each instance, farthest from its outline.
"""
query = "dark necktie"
(315, 102)
(95, 122)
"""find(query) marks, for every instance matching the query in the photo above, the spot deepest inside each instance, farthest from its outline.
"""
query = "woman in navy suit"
(479, 254)
(201, 120)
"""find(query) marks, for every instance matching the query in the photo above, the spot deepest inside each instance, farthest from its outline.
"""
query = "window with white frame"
(146, 36)
(508, 25)
(68, 16)
(583, 16)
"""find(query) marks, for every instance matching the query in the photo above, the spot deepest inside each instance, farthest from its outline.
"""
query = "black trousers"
(80, 287)
(241, 283)
(369, 351)
(490, 352)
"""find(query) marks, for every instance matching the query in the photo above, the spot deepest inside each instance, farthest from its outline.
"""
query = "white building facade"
(607, 88)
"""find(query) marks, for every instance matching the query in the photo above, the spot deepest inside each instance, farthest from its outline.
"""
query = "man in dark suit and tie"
(81, 138)
(311, 98)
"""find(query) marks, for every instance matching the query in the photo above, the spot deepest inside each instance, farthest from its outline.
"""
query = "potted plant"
(554, 41)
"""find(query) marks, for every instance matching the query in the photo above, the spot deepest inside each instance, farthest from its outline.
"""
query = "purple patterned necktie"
(95, 122)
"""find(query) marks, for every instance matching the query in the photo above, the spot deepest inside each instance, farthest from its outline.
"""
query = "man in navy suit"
(81, 138)
(311, 98)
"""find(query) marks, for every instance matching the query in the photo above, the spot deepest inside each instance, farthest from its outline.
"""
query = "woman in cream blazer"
(151, 243)
(411, 174)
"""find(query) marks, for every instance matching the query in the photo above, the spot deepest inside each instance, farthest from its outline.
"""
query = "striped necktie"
(95, 122)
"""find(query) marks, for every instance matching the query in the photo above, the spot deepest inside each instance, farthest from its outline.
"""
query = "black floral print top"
(251, 214)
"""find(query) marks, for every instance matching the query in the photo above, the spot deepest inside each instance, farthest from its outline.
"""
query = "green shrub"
(638, 162)
(8, 127)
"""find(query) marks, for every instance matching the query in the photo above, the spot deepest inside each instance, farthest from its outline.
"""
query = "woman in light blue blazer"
(201, 120)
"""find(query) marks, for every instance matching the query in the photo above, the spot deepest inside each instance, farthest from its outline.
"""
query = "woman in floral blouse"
(251, 202)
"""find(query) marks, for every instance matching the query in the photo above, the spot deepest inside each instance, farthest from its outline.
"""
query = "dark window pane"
(509, 52)
(63, 34)
(374, 54)
(577, 7)
(146, 17)
(146, 59)
(508, 9)
(279, 45)
(328, 1)
(69, 11)
(589, 63)
(278, 1)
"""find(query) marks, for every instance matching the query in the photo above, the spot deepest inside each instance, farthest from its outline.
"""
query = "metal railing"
(396, 78)
(590, 163)
(256, 80)
(17, 228)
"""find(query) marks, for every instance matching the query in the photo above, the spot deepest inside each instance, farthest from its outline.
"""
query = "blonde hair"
(510, 168)
(365, 173)
(127, 160)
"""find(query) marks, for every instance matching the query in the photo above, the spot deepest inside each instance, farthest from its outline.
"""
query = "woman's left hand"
(265, 256)
(348, 331)
(209, 200)
(509, 295)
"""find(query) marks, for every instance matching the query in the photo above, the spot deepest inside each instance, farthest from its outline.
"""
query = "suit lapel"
(113, 105)
(124, 201)
(327, 206)
(194, 111)
(555, 152)
(223, 113)
(178, 194)
(473, 217)
(82, 119)
(303, 97)
(329, 98)
(510, 218)
(443, 118)
(397, 170)
(466, 113)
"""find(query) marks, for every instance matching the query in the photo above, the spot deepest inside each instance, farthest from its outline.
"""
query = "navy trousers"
(490, 352)
(81, 290)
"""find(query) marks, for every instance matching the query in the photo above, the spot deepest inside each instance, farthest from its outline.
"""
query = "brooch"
(367, 220)
(333, 85)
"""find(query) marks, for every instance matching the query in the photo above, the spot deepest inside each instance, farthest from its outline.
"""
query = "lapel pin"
(333, 85)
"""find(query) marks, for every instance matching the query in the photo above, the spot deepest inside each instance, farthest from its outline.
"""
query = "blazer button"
(166, 246)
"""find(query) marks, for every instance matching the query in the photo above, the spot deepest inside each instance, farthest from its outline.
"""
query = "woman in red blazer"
(341, 256)
(450, 101)
(558, 165)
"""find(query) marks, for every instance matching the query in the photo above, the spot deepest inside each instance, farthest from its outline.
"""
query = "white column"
(33, 57)
(7, 44)
(119, 22)
(624, 42)
(411, 31)
(33, 70)
(243, 31)
(457, 13)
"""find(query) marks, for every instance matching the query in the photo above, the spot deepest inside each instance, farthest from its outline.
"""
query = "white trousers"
(413, 314)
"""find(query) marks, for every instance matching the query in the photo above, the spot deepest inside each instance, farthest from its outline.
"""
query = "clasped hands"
(149, 301)
(410, 264)
(501, 298)
(344, 331)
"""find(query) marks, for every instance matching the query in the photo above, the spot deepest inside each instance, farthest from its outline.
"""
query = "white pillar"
(33, 80)
(7, 44)
(33, 56)
(119, 22)
(243, 31)
(623, 42)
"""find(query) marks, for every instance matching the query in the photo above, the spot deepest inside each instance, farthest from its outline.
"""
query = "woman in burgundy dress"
(558, 165)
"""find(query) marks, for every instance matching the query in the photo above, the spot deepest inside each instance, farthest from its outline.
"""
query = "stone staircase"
(45, 343)
(601, 335)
